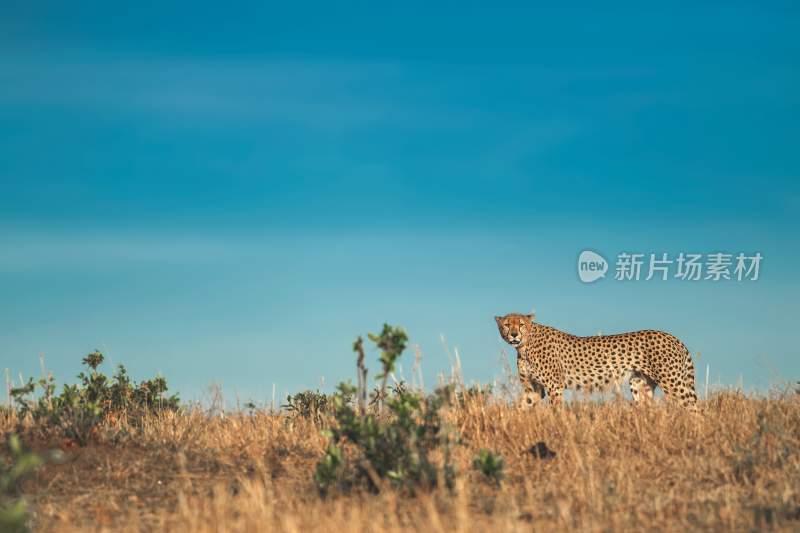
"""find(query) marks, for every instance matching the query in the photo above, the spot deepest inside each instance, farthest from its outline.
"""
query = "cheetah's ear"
(531, 317)
(499, 320)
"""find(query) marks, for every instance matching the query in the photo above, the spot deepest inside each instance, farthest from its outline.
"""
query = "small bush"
(21, 463)
(474, 392)
(308, 404)
(408, 447)
(78, 409)
(397, 449)
(489, 464)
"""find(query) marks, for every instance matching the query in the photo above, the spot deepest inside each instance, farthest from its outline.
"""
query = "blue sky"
(231, 195)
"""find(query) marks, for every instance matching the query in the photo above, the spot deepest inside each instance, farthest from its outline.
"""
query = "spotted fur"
(550, 361)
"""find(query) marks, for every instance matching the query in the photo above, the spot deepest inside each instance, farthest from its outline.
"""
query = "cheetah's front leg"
(533, 390)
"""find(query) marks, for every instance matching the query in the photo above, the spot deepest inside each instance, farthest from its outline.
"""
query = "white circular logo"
(591, 266)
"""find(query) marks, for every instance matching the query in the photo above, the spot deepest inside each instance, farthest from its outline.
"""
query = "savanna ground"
(617, 467)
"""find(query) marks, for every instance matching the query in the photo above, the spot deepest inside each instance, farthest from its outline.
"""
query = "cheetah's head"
(515, 328)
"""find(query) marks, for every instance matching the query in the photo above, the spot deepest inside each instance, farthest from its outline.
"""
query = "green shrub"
(474, 392)
(78, 409)
(408, 447)
(308, 404)
(399, 448)
(21, 463)
(489, 464)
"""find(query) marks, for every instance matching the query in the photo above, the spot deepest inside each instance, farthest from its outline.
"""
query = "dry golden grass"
(618, 468)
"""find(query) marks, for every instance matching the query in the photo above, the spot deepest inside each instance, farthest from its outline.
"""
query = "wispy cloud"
(323, 94)
(330, 94)
(26, 250)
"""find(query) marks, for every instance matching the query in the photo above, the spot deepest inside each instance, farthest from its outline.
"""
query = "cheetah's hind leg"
(641, 387)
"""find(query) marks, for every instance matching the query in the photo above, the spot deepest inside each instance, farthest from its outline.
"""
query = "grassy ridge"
(617, 467)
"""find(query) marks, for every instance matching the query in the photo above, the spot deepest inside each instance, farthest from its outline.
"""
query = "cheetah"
(550, 361)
